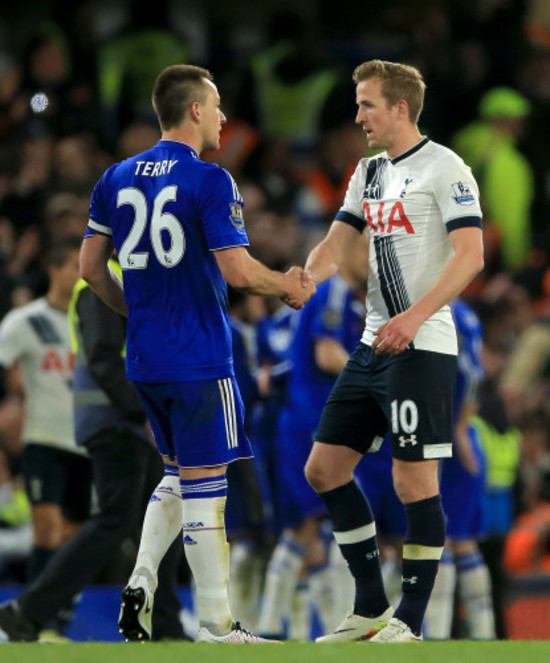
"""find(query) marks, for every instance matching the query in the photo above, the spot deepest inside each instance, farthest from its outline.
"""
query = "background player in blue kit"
(177, 225)
(326, 332)
(462, 488)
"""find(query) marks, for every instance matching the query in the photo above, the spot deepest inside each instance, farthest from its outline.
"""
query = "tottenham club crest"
(236, 216)
(462, 194)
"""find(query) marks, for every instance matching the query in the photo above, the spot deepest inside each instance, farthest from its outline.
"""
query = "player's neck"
(404, 141)
(58, 300)
(188, 137)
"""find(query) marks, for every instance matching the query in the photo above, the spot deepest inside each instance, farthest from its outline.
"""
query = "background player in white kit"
(57, 472)
(420, 203)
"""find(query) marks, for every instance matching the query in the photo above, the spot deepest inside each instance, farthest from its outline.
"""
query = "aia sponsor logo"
(386, 220)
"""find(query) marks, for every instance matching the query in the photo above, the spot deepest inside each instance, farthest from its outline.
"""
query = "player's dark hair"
(59, 251)
(176, 88)
(399, 81)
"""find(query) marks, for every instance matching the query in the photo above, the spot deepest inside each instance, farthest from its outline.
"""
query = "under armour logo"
(403, 441)
(412, 580)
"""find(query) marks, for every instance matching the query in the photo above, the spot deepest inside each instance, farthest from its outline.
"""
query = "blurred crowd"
(75, 97)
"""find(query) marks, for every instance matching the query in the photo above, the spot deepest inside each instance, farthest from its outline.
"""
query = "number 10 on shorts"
(404, 416)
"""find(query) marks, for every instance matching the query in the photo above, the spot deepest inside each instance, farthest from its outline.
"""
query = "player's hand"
(301, 288)
(394, 336)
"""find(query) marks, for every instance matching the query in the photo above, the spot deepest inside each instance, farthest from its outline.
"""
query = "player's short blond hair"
(399, 81)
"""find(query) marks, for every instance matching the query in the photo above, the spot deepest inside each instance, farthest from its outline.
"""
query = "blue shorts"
(462, 495)
(297, 500)
(199, 424)
(374, 475)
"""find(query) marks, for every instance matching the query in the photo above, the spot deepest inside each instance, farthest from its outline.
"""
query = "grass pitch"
(427, 652)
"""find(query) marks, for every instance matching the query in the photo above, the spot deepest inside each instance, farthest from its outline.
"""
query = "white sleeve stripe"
(94, 225)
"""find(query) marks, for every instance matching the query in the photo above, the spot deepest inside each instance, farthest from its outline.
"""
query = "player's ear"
(195, 112)
(402, 109)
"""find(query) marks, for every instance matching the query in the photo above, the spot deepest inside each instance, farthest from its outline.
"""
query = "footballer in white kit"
(409, 205)
(36, 336)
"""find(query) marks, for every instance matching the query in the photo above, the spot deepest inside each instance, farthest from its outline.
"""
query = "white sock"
(245, 582)
(322, 595)
(439, 614)
(343, 585)
(474, 587)
(207, 554)
(162, 523)
(280, 582)
(299, 625)
(391, 574)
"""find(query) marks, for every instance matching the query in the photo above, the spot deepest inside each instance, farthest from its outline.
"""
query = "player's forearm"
(330, 356)
(108, 286)
(322, 263)
(258, 279)
(460, 270)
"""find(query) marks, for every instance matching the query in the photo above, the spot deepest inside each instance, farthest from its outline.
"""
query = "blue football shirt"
(470, 338)
(167, 211)
(335, 313)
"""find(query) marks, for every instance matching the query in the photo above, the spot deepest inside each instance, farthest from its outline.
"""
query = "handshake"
(300, 288)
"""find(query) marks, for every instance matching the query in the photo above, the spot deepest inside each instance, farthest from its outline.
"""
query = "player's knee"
(48, 529)
(317, 475)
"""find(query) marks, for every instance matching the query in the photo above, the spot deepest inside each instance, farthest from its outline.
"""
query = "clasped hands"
(300, 288)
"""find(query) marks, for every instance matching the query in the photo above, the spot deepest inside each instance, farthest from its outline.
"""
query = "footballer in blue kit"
(177, 226)
(170, 267)
(462, 483)
(325, 333)
(336, 314)
(461, 488)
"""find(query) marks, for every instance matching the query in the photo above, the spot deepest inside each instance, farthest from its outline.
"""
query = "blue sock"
(355, 533)
(421, 554)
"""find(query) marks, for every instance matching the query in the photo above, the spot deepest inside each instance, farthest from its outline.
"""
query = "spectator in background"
(289, 85)
(505, 176)
(129, 61)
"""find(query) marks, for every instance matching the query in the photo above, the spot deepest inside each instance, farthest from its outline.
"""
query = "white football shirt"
(37, 337)
(410, 204)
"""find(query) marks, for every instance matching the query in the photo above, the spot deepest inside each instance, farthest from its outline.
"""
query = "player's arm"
(325, 258)
(94, 269)
(330, 355)
(467, 261)
(463, 441)
(244, 272)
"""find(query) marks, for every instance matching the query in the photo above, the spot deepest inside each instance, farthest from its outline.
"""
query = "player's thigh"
(353, 415)
(47, 474)
(419, 405)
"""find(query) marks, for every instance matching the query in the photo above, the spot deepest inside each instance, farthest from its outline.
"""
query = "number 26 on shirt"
(168, 257)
